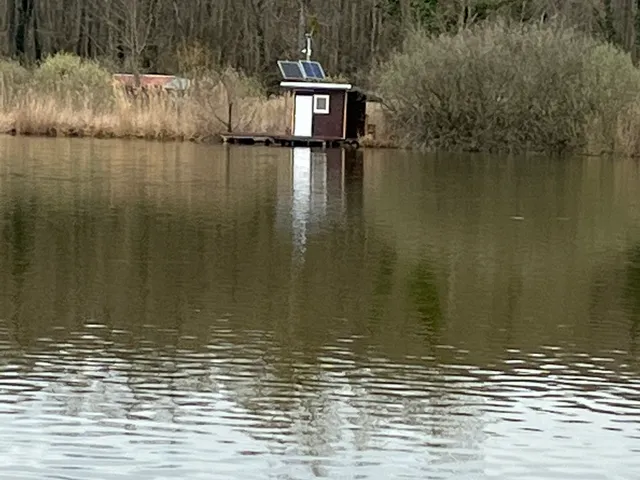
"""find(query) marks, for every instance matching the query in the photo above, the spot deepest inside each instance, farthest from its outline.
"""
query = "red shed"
(324, 110)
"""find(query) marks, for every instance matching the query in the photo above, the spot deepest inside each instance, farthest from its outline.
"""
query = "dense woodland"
(173, 36)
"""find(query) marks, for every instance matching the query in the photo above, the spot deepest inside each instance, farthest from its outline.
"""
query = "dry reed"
(67, 96)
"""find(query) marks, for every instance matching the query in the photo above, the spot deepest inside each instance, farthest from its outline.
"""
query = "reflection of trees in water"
(186, 323)
(17, 234)
(323, 407)
(382, 283)
(165, 339)
(201, 327)
(614, 302)
(631, 292)
(424, 294)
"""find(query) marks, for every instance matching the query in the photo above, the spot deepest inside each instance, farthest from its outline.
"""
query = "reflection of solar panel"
(312, 70)
(290, 70)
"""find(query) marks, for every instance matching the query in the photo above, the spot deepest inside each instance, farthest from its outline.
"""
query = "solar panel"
(312, 69)
(290, 70)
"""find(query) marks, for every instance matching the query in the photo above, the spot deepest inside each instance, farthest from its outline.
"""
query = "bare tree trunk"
(22, 29)
(629, 27)
(349, 35)
(610, 31)
(37, 45)
(637, 29)
(11, 28)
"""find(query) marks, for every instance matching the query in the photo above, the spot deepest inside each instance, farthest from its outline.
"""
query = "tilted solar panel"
(312, 70)
(290, 70)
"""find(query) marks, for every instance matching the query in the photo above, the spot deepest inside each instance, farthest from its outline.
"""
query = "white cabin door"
(303, 116)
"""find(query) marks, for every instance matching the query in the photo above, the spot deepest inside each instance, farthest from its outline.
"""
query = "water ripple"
(165, 318)
(72, 409)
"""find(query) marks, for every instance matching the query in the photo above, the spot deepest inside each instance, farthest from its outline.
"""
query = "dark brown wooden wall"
(330, 124)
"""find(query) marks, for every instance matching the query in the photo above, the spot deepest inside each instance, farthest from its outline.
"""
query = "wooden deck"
(286, 140)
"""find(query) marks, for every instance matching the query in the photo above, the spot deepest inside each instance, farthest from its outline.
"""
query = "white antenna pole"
(307, 48)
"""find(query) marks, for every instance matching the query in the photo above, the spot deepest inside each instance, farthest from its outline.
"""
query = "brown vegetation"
(506, 86)
(546, 77)
(68, 96)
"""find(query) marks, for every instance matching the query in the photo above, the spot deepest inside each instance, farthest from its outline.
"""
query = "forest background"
(232, 46)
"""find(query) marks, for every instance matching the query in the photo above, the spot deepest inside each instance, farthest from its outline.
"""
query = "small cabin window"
(321, 104)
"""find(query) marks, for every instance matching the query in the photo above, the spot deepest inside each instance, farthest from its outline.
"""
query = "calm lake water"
(173, 311)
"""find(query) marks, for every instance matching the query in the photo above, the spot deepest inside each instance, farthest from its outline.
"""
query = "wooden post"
(230, 118)
(344, 114)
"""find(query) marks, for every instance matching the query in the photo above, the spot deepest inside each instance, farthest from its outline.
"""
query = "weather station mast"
(307, 47)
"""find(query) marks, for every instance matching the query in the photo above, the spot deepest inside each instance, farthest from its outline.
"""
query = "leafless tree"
(349, 35)
(132, 23)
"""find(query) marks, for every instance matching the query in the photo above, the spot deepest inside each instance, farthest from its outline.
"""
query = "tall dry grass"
(68, 96)
(501, 86)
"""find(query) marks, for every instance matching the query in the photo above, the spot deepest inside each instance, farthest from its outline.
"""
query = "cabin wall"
(330, 124)
(325, 125)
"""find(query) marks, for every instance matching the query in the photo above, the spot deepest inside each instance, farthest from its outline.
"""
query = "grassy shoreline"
(67, 96)
(154, 117)
(158, 117)
(496, 87)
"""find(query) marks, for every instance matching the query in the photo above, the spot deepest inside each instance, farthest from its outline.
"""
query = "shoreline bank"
(214, 139)
(157, 117)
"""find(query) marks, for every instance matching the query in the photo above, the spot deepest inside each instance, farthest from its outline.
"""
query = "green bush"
(13, 71)
(506, 87)
(76, 78)
(13, 80)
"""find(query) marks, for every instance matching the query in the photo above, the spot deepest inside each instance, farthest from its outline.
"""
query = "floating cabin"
(324, 114)
(333, 111)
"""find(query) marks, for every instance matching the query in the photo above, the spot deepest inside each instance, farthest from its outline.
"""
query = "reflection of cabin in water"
(324, 113)
(321, 187)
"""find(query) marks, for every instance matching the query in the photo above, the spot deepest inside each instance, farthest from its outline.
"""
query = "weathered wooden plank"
(285, 140)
